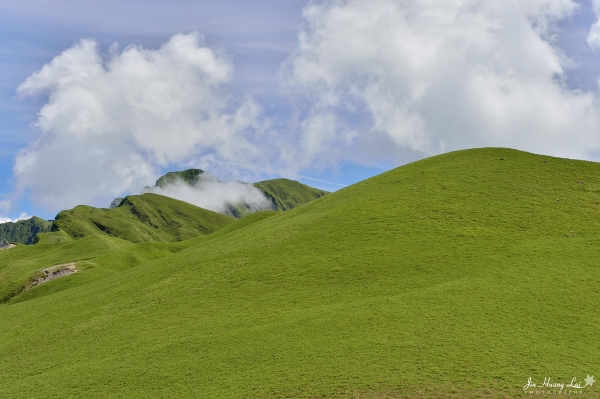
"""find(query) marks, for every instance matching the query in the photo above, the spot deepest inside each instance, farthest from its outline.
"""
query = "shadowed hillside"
(23, 231)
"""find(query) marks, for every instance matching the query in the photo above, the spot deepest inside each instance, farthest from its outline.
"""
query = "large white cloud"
(110, 124)
(210, 193)
(432, 76)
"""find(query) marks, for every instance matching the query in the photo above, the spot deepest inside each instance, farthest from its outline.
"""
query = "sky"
(99, 99)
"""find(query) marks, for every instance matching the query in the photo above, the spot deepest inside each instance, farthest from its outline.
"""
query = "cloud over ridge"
(210, 193)
(109, 125)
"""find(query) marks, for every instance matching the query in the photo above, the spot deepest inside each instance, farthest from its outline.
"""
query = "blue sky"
(336, 91)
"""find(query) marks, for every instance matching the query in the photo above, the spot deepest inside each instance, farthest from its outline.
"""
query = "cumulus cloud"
(433, 76)
(370, 80)
(22, 216)
(109, 125)
(214, 195)
(5, 206)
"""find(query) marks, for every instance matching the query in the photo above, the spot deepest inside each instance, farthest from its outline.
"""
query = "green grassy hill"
(286, 194)
(147, 217)
(23, 231)
(97, 255)
(461, 275)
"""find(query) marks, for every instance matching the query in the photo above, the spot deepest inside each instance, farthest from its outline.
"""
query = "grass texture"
(457, 276)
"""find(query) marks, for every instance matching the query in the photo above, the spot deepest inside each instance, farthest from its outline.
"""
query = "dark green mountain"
(23, 231)
(190, 176)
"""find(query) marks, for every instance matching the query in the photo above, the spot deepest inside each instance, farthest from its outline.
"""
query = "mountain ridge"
(147, 217)
(282, 194)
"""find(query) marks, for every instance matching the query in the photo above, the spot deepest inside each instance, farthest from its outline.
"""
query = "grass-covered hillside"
(147, 217)
(23, 231)
(286, 194)
(461, 275)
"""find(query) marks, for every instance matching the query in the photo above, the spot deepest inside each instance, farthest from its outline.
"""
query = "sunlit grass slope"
(147, 217)
(457, 276)
(286, 194)
(96, 256)
(100, 242)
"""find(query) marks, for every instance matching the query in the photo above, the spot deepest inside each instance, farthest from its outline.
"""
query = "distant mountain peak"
(189, 176)
(23, 231)
(276, 194)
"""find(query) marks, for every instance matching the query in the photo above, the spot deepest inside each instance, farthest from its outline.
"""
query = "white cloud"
(5, 206)
(370, 80)
(215, 195)
(433, 76)
(110, 124)
(22, 216)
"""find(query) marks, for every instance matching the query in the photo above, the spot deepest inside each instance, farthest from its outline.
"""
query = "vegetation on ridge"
(23, 231)
(189, 176)
(147, 217)
(286, 194)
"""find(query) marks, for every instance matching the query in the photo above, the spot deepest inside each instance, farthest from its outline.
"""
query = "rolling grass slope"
(457, 276)
(97, 255)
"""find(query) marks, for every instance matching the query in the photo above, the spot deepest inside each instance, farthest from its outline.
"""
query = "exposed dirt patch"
(43, 276)
(9, 246)
(53, 272)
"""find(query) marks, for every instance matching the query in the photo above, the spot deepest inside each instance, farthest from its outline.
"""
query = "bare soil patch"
(54, 272)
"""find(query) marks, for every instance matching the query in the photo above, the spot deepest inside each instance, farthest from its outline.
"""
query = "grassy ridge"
(147, 217)
(286, 194)
(456, 276)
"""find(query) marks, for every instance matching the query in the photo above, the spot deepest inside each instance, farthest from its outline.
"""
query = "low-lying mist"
(215, 195)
